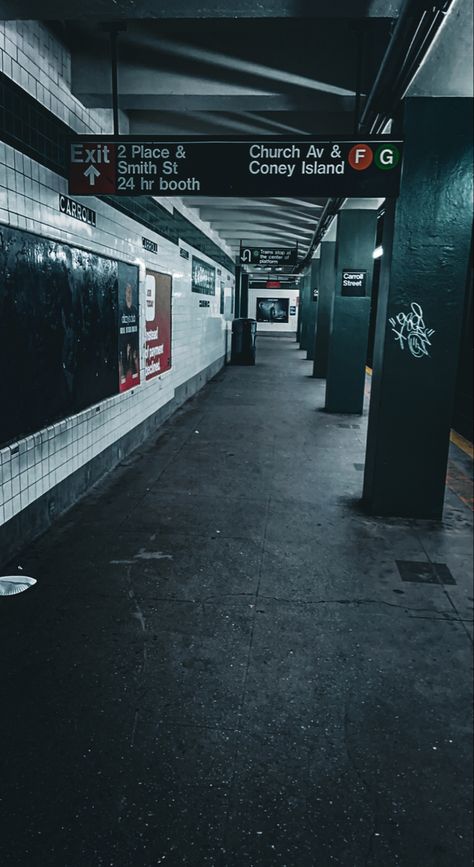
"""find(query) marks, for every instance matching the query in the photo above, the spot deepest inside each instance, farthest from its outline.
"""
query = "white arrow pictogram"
(92, 173)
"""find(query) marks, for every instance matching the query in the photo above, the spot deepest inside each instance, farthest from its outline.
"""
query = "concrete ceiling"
(222, 67)
(101, 10)
(259, 76)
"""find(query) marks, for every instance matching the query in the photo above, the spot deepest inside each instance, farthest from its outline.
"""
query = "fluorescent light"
(378, 252)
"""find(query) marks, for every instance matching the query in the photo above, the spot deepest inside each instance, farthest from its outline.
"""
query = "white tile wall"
(29, 200)
(37, 61)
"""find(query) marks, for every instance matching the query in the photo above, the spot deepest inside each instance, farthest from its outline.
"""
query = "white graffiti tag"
(410, 330)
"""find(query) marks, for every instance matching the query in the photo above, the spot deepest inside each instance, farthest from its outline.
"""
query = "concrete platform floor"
(220, 663)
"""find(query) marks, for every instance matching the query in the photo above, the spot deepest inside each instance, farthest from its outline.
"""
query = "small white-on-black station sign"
(75, 209)
(149, 246)
(354, 281)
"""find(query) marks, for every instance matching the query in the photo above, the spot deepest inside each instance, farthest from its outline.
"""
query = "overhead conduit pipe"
(409, 45)
(412, 38)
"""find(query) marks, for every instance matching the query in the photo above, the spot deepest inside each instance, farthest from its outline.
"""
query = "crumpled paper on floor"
(10, 585)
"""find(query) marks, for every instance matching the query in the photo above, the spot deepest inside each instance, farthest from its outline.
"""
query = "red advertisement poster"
(158, 323)
(129, 351)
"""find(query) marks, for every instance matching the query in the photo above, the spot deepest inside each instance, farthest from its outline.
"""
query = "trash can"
(244, 335)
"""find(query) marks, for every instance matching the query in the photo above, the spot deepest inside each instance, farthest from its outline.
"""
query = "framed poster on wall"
(129, 349)
(58, 331)
(272, 309)
(203, 277)
(158, 323)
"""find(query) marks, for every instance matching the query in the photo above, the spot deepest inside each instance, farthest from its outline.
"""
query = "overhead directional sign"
(127, 166)
(268, 257)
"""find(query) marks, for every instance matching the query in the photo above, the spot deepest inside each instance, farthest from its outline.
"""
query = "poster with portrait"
(128, 320)
(272, 309)
(158, 323)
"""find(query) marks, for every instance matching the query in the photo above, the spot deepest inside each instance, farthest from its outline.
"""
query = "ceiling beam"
(119, 9)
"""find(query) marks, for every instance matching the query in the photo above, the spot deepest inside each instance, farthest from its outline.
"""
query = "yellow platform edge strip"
(458, 440)
(462, 443)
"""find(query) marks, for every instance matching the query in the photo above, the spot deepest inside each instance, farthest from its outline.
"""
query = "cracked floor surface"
(220, 664)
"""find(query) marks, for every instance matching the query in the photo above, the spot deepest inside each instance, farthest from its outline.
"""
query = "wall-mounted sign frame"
(60, 337)
(157, 323)
(129, 322)
(234, 166)
(274, 310)
(203, 277)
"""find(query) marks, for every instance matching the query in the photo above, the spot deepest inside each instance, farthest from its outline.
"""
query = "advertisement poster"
(59, 333)
(272, 309)
(158, 323)
(129, 351)
(203, 277)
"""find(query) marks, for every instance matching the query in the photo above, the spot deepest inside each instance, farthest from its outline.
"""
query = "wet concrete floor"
(221, 664)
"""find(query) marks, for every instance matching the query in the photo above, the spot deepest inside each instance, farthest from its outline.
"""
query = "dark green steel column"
(314, 281)
(304, 309)
(298, 317)
(244, 295)
(417, 347)
(327, 284)
(238, 275)
(355, 243)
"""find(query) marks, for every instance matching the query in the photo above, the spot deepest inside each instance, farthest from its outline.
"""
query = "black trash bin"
(244, 335)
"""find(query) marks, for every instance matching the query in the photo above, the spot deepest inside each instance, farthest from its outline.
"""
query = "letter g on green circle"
(387, 156)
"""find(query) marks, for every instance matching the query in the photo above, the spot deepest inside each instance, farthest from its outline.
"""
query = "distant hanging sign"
(268, 257)
(304, 166)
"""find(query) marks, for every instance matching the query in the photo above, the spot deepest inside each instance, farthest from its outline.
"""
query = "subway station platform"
(226, 662)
